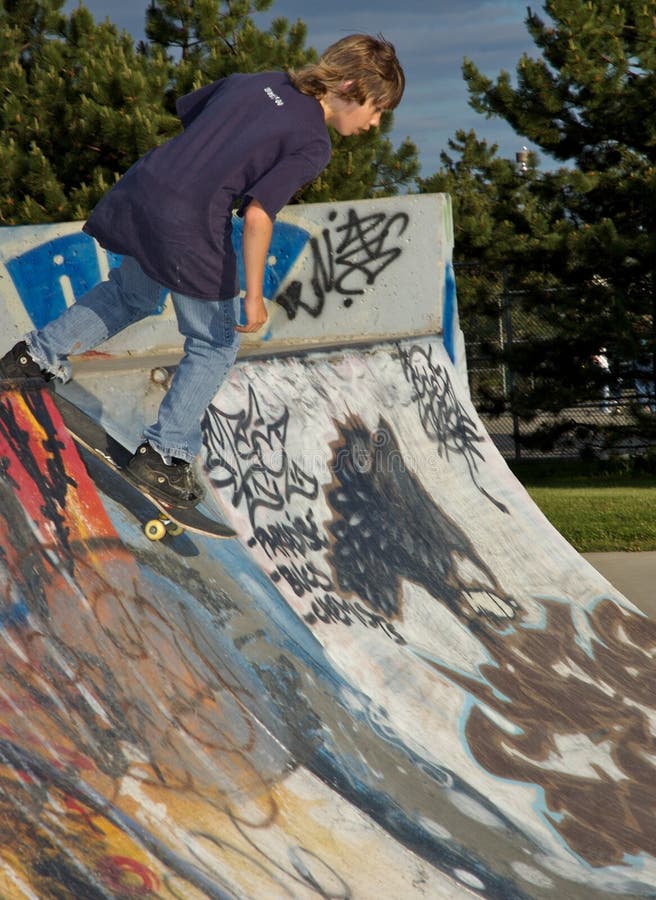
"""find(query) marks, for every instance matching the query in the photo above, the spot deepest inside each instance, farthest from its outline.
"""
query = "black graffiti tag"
(295, 537)
(443, 417)
(387, 530)
(248, 455)
(330, 609)
(303, 579)
(360, 253)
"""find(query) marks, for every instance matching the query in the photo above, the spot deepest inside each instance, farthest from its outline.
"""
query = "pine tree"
(496, 213)
(587, 101)
(79, 103)
(364, 167)
(78, 106)
(501, 226)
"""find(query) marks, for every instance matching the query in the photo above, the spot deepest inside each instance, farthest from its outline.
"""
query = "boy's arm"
(258, 229)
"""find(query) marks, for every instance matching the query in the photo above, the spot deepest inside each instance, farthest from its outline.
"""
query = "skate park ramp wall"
(337, 272)
(398, 681)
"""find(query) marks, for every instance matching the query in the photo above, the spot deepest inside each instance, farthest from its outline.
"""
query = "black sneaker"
(174, 484)
(17, 366)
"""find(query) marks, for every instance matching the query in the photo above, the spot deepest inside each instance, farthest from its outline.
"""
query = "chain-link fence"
(612, 407)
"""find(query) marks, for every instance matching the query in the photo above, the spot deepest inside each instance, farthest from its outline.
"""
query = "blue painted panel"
(37, 274)
(449, 312)
(287, 244)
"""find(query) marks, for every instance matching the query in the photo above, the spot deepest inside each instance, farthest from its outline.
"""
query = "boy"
(251, 140)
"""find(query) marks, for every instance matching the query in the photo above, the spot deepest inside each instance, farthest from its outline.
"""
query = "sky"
(431, 37)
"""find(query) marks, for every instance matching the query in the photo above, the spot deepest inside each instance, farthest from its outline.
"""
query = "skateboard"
(171, 520)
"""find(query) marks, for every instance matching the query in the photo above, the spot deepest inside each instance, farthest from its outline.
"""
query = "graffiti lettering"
(443, 417)
(293, 538)
(331, 609)
(359, 255)
(249, 456)
(362, 248)
(303, 578)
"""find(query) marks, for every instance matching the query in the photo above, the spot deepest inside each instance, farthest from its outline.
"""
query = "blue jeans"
(210, 348)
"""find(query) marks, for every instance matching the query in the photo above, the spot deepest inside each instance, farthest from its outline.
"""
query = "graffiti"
(121, 874)
(388, 530)
(28, 452)
(248, 456)
(287, 244)
(285, 687)
(443, 417)
(51, 275)
(554, 694)
(113, 698)
(332, 609)
(385, 528)
(361, 251)
(155, 739)
(304, 578)
(79, 728)
(295, 537)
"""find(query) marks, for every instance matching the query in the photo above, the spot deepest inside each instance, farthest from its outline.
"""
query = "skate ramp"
(490, 652)
(399, 681)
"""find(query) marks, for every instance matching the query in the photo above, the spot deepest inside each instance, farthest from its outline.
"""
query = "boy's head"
(360, 68)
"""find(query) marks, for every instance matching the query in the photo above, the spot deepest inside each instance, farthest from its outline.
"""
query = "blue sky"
(431, 37)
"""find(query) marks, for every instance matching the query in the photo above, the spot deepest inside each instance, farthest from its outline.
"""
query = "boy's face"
(348, 117)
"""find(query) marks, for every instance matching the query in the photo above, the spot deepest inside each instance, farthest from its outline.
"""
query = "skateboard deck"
(171, 519)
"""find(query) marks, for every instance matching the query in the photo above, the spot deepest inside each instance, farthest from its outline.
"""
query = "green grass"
(596, 506)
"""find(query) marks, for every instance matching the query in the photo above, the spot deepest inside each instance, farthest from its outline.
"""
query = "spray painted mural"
(143, 748)
(398, 682)
(377, 505)
(334, 272)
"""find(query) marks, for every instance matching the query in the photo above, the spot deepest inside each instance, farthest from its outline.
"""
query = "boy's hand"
(256, 314)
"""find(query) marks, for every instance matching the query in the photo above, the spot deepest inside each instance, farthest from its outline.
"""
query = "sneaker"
(17, 366)
(174, 484)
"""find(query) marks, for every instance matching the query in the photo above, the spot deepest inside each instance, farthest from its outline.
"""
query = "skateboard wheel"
(174, 529)
(155, 530)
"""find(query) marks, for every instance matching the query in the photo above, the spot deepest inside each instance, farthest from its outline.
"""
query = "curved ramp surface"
(513, 689)
(399, 682)
(144, 749)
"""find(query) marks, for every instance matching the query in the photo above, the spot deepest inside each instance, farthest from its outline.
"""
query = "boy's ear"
(345, 85)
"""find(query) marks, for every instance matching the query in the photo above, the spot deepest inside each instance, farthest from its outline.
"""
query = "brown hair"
(368, 62)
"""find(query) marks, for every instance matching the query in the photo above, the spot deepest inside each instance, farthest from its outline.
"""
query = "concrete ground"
(633, 574)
